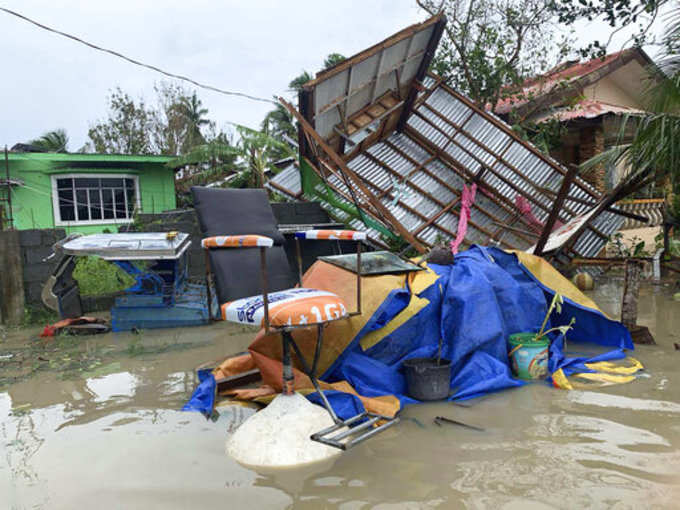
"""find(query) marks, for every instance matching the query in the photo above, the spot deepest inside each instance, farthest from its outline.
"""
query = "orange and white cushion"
(240, 241)
(342, 235)
(293, 307)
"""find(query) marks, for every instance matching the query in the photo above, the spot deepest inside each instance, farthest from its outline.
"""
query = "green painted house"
(85, 192)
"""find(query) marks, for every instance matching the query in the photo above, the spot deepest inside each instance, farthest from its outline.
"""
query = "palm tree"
(248, 159)
(332, 60)
(279, 123)
(192, 111)
(296, 83)
(52, 141)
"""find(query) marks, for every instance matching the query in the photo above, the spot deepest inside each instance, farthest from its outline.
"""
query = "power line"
(137, 62)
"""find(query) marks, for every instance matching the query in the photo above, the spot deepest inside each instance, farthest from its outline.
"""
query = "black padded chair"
(237, 211)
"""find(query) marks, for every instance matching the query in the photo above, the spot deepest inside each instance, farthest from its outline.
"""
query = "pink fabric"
(524, 207)
(466, 201)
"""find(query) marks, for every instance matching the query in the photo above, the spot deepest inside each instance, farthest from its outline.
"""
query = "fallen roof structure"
(384, 144)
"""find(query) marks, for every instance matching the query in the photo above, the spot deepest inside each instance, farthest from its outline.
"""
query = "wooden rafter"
(340, 163)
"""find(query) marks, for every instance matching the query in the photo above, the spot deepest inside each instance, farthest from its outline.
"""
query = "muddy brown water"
(94, 423)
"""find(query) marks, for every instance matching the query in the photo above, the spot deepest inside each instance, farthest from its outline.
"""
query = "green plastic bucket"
(528, 356)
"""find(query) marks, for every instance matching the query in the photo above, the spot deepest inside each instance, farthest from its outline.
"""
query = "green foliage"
(174, 125)
(555, 305)
(296, 83)
(490, 46)
(52, 141)
(250, 157)
(332, 60)
(191, 111)
(616, 13)
(96, 277)
(546, 136)
(38, 316)
(127, 129)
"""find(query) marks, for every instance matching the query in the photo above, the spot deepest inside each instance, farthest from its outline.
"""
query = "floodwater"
(94, 423)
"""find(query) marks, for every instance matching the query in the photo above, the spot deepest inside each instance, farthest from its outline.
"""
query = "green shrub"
(96, 277)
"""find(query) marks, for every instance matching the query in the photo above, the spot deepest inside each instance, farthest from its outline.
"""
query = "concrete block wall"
(36, 245)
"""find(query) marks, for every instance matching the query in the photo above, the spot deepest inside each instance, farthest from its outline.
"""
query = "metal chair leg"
(311, 373)
(288, 378)
(343, 434)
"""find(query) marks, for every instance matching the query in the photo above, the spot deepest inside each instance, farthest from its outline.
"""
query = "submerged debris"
(442, 419)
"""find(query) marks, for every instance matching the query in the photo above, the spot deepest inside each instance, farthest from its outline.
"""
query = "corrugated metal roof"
(409, 177)
(287, 182)
(346, 88)
(588, 109)
(558, 76)
(421, 186)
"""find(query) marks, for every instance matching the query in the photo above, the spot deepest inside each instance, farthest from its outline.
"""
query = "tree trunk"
(631, 291)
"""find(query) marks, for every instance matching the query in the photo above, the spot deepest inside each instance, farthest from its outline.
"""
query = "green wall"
(32, 203)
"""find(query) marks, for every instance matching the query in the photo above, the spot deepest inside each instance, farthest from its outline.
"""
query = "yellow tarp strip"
(614, 368)
(607, 373)
(419, 281)
(605, 378)
(560, 380)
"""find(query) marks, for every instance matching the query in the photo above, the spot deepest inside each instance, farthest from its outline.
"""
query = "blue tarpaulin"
(473, 306)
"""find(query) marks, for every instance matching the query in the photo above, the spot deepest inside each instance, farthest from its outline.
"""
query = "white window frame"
(110, 221)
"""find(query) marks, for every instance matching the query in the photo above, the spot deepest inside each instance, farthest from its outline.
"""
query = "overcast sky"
(254, 46)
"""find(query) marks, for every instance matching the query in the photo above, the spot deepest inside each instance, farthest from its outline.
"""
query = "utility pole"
(9, 218)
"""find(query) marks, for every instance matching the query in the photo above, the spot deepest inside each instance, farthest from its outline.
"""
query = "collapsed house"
(388, 148)
(402, 157)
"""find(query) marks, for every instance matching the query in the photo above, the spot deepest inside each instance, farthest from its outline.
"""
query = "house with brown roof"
(590, 99)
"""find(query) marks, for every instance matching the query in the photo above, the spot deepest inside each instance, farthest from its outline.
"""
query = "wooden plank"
(238, 380)
(557, 205)
(422, 70)
(12, 299)
(337, 160)
(360, 57)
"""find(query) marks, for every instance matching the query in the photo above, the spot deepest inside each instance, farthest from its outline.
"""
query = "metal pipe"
(9, 219)
(312, 373)
(288, 378)
(358, 428)
(298, 253)
(265, 291)
(317, 351)
(208, 281)
(358, 277)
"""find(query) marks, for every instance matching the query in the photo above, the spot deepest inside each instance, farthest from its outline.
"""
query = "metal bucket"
(427, 380)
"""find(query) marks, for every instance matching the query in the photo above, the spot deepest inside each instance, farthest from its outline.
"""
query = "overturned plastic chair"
(300, 307)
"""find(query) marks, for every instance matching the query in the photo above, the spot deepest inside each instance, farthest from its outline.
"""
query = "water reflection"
(112, 434)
